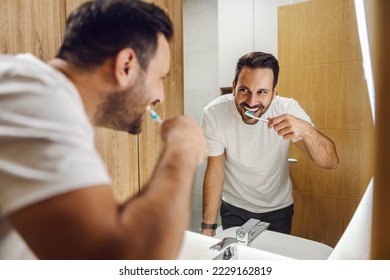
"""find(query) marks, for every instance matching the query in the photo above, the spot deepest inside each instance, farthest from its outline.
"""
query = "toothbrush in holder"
(154, 115)
(250, 114)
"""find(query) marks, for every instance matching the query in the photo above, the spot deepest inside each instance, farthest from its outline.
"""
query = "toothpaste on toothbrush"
(250, 114)
(154, 115)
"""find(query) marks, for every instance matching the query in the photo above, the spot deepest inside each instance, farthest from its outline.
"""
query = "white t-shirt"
(256, 168)
(47, 142)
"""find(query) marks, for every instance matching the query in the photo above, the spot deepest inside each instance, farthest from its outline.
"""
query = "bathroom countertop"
(197, 247)
(285, 245)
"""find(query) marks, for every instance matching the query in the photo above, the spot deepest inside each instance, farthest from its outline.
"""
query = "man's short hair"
(99, 29)
(258, 60)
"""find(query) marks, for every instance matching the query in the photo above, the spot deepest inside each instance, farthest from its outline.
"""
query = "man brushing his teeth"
(247, 174)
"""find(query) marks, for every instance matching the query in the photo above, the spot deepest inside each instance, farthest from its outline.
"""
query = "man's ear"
(126, 65)
(275, 91)
(233, 87)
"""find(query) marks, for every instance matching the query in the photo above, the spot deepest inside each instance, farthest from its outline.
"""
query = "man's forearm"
(165, 208)
(321, 149)
(212, 189)
(169, 191)
(211, 202)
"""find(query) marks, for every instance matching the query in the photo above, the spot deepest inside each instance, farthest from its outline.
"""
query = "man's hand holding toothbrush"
(183, 135)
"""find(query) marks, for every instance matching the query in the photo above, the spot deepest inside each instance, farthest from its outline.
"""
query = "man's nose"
(161, 96)
(252, 100)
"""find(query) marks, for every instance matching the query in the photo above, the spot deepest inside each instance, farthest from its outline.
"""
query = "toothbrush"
(154, 115)
(250, 114)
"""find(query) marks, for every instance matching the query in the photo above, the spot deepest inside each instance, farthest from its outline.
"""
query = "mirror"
(318, 49)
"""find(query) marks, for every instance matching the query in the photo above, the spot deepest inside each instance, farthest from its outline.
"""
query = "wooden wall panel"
(321, 68)
(317, 32)
(322, 217)
(335, 90)
(34, 26)
(70, 5)
(350, 179)
(119, 151)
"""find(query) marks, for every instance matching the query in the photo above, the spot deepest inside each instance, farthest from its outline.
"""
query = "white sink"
(197, 247)
(285, 245)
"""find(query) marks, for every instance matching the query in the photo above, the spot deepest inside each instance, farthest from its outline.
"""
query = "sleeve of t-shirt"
(212, 134)
(47, 146)
(296, 110)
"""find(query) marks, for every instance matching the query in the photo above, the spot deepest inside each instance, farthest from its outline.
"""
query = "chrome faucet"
(227, 247)
(244, 236)
(250, 230)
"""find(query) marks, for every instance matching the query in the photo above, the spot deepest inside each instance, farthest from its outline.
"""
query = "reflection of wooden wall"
(321, 67)
(38, 27)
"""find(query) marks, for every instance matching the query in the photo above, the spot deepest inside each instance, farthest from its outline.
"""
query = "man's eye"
(243, 90)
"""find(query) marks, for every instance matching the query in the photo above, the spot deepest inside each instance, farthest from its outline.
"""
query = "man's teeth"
(251, 109)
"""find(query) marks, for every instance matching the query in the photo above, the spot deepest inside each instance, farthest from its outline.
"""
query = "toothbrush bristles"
(251, 115)
(154, 115)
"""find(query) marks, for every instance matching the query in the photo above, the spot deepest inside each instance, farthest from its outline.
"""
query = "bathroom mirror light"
(364, 44)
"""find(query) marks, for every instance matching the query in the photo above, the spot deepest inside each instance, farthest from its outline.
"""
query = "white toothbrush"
(154, 115)
(250, 114)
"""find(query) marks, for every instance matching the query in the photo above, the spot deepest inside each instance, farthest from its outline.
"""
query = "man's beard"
(121, 110)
